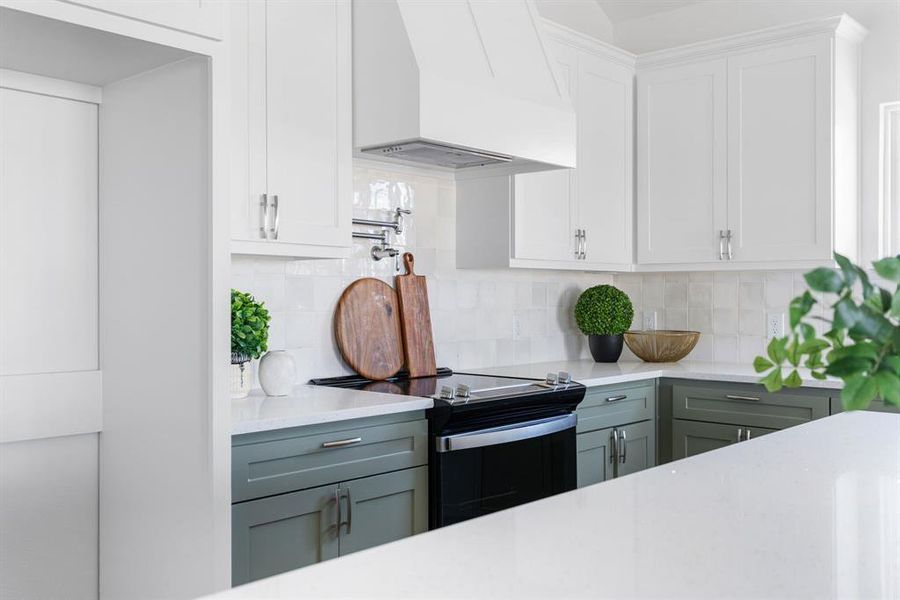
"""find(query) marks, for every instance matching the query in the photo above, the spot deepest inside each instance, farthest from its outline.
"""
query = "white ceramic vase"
(277, 373)
(241, 379)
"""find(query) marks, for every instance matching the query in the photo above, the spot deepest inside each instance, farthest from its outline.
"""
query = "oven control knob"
(462, 391)
(552, 379)
(564, 378)
(447, 393)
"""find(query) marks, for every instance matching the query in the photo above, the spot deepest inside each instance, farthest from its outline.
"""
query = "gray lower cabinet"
(289, 531)
(696, 437)
(616, 431)
(875, 406)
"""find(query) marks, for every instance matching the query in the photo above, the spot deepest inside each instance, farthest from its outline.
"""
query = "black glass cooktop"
(478, 385)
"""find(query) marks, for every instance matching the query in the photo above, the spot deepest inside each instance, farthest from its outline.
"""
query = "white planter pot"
(241, 379)
(277, 373)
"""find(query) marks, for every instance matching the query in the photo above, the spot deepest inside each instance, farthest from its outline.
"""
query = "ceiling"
(625, 10)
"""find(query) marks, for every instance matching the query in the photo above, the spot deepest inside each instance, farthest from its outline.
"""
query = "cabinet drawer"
(318, 456)
(609, 406)
(748, 405)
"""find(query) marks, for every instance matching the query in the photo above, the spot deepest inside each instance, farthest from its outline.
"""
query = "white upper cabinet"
(568, 218)
(603, 180)
(747, 150)
(681, 163)
(292, 163)
(779, 153)
(200, 17)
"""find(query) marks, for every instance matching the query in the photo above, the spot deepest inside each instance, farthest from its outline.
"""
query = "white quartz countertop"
(591, 373)
(809, 512)
(311, 404)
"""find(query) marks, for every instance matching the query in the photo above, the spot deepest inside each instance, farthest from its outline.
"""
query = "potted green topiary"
(604, 313)
(249, 339)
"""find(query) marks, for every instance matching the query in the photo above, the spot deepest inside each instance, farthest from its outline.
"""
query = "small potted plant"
(249, 339)
(604, 313)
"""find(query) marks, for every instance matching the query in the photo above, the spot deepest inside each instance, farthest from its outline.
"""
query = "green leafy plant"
(603, 310)
(249, 327)
(862, 344)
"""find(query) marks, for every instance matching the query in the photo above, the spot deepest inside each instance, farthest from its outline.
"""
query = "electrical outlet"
(775, 326)
(650, 320)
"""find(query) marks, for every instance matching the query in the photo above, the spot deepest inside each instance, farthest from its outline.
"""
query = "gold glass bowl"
(661, 345)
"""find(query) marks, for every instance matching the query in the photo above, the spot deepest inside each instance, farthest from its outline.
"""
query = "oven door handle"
(505, 433)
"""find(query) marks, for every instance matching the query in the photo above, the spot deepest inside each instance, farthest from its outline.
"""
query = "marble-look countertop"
(311, 404)
(591, 373)
(793, 514)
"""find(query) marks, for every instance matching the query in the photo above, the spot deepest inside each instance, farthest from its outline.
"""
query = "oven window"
(480, 481)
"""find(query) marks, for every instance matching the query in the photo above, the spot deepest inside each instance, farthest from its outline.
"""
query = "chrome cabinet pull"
(729, 254)
(721, 243)
(577, 243)
(740, 436)
(264, 217)
(615, 398)
(736, 397)
(584, 244)
(349, 511)
(614, 455)
(747, 435)
(337, 520)
(624, 440)
(275, 224)
(342, 443)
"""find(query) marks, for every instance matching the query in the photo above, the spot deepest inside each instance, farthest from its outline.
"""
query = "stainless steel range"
(495, 442)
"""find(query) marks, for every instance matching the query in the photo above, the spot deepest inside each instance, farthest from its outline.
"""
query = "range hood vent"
(439, 155)
(459, 84)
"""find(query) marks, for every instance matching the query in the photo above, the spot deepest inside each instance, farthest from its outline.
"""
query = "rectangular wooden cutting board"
(415, 321)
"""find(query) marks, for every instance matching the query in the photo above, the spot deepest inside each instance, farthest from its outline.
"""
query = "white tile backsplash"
(480, 318)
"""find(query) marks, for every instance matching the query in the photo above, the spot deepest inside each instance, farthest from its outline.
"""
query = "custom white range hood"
(458, 84)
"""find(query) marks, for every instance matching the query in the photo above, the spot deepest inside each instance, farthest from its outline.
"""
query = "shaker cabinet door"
(681, 195)
(695, 437)
(779, 153)
(637, 447)
(281, 533)
(383, 508)
(595, 456)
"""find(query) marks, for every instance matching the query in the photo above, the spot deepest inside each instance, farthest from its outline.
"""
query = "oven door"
(480, 472)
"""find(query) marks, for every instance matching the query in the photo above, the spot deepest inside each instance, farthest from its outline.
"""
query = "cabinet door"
(637, 447)
(48, 234)
(299, 131)
(695, 437)
(595, 460)
(779, 153)
(543, 212)
(681, 203)
(281, 533)
(384, 508)
(603, 178)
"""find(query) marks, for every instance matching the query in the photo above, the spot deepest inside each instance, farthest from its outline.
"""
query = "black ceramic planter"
(606, 348)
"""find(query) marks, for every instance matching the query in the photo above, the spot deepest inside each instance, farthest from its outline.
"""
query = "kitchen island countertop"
(808, 512)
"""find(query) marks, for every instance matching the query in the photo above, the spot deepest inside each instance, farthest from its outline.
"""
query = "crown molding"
(582, 41)
(842, 25)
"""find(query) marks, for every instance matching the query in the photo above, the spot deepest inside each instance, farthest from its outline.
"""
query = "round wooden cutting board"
(367, 328)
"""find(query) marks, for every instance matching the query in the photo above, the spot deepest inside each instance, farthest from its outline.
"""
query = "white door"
(779, 153)
(307, 130)
(603, 178)
(543, 210)
(48, 234)
(681, 163)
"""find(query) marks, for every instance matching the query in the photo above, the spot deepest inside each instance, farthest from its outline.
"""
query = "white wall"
(880, 62)
(585, 16)
(481, 318)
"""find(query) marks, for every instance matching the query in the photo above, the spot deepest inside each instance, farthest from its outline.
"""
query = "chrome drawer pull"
(615, 398)
(734, 397)
(341, 443)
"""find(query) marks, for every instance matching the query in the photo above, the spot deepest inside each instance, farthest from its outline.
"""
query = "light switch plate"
(650, 320)
(775, 326)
